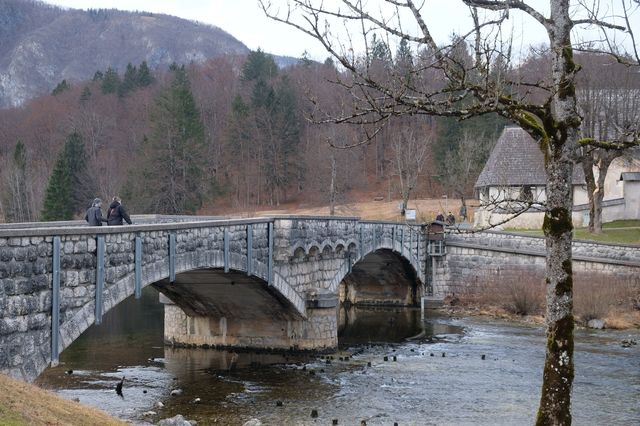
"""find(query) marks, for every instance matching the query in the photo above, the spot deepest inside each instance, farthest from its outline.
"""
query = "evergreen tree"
(69, 188)
(129, 81)
(98, 76)
(404, 61)
(144, 75)
(174, 152)
(110, 81)
(259, 65)
(61, 87)
(380, 50)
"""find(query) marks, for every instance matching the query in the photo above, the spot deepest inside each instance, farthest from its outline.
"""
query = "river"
(441, 371)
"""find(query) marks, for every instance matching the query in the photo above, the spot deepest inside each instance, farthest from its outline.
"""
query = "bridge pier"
(316, 332)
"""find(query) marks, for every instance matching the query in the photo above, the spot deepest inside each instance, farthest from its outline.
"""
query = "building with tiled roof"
(514, 175)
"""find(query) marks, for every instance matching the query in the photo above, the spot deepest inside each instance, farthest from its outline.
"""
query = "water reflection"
(415, 385)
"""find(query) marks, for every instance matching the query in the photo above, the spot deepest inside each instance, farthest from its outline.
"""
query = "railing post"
(99, 278)
(393, 237)
(418, 250)
(402, 241)
(249, 248)
(55, 302)
(374, 238)
(270, 269)
(411, 245)
(226, 249)
(172, 257)
(361, 241)
(138, 260)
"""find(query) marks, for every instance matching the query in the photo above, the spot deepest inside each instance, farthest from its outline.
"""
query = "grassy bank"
(515, 292)
(25, 404)
(616, 232)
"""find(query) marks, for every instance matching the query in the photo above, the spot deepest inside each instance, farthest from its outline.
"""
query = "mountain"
(40, 45)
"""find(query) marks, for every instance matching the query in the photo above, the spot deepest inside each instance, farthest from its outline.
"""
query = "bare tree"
(610, 106)
(410, 152)
(447, 82)
(464, 164)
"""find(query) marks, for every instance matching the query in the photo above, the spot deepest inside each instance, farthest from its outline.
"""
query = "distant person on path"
(451, 220)
(94, 213)
(117, 213)
(463, 212)
(440, 217)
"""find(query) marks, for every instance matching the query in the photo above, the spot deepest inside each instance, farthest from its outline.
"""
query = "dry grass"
(610, 298)
(378, 210)
(508, 290)
(25, 404)
(518, 291)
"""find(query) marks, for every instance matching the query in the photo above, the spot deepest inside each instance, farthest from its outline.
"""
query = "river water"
(441, 371)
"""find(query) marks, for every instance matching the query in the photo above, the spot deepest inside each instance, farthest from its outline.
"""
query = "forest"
(240, 134)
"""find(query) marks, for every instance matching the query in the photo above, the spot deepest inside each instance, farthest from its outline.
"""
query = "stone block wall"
(481, 257)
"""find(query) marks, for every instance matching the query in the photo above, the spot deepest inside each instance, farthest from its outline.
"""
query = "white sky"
(244, 20)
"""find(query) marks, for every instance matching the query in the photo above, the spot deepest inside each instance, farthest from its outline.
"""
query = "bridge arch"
(66, 275)
(117, 291)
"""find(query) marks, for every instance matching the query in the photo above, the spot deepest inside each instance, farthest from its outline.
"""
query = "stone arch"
(352, 248)
(115, 293)
(314, 251)
(344, 270)
(327, 250)
(299, 253)
(382, 276)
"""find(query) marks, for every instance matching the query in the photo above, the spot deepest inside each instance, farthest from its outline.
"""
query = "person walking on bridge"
(94, 213)
(117, 213)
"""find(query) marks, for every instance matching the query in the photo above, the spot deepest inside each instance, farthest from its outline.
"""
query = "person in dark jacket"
(94, 213)
(117, 213)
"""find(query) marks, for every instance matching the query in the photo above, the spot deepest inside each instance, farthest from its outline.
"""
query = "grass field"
(616, 232)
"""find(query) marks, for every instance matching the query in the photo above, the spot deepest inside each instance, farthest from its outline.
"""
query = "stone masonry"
(301, 263)
(260, 282)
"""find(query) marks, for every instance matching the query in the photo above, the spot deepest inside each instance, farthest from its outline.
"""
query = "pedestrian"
(440, 217)
(463, 212)
(117, 212)
(451, 220)
(94, 213)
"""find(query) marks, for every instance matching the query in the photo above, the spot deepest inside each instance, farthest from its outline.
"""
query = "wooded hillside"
(234, 134)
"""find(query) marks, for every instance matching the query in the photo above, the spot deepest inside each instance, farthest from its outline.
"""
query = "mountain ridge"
(44, 44)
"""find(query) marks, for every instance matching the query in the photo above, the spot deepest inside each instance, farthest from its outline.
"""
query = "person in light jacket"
(117, 213)
(94, 213)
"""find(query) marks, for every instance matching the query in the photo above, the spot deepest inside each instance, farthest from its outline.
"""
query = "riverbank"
(616, 319)
(25, 404)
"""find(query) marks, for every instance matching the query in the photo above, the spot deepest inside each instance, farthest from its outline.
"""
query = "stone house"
(514, 175)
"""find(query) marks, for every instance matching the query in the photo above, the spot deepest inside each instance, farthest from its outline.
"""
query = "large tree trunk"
(587, 168)
(561, 127)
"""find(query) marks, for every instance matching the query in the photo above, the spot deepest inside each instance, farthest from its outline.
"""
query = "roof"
(630, 176)
(517, 160)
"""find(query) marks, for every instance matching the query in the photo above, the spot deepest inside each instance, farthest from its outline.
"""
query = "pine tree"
(174, 152)
(144, 75)
(68, 191)
(61, 87)
(259, 65)
(110, 81)
(129, 81)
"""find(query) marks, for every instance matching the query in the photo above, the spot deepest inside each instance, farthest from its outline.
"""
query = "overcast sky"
(244, 20)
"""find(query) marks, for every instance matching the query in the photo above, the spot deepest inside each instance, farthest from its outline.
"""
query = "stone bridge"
(271, 283)
(260, 283)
